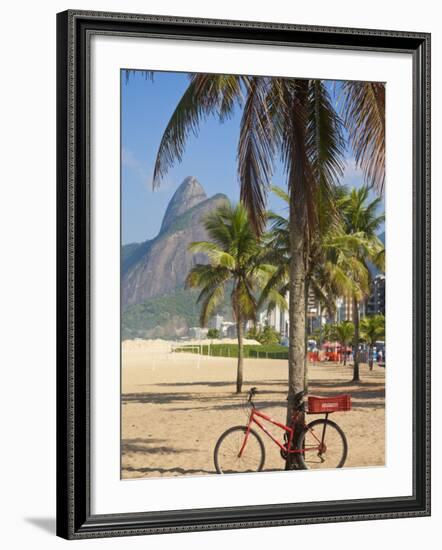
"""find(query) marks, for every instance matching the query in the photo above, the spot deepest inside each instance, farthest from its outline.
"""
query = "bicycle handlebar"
(253, 391)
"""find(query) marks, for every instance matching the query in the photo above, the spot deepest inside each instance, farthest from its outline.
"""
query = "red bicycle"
(320, 444)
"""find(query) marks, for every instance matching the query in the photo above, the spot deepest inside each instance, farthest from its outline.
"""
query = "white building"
(216, 322)
(277, 319)
(316, 315)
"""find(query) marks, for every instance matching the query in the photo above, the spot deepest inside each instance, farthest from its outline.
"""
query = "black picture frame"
(74, 518)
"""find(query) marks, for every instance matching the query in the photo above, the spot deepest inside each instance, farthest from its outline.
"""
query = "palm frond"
(323, 289)
(325, 145)
(275, 300)
(258, 140)
(279, 192)
(373, 328)
(148, 75)
(244, 301)
(206, 275)
(209, 301)
(206, 94)
(344, 332)
(364, 116)
(276, 282)
(216, 256)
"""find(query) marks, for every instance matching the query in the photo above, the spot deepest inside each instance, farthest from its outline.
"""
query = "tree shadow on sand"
(212, 384)
(365, 394)
(176, 397)
(235, 406)
(323, 389)
(139, 445)
(175, 470)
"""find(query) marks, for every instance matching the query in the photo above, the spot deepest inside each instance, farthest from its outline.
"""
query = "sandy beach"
(176, 405)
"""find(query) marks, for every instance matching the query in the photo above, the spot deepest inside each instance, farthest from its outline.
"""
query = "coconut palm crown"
(234, 259)
(372, 330)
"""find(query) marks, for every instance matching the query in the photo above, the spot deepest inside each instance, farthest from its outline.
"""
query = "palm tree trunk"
(306, 339)
(296, 351)
(370, 356)
(344, 347)
(239, 372)
(356, 377)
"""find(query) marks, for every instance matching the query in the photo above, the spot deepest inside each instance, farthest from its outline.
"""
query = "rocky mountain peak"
(159, 267)
(189, 194)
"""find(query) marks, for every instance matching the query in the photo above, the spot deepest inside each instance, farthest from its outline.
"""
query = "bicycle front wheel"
(228, 449)
(323, 445)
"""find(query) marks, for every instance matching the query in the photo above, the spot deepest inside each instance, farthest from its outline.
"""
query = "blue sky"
(211, 156)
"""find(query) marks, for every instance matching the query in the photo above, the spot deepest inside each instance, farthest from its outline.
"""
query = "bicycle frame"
(253, 419)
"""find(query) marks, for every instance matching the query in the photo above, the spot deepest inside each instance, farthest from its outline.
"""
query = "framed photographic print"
(243, 274)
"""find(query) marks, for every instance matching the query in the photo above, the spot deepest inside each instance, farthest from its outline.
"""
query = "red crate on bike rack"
(329, 404)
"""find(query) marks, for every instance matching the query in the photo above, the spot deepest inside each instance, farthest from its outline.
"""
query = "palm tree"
(277, 241)
(361, 223)
(281, 117)
(234, 257)
(372, 330)
(319, 278)
(344, 333)
(329, 265)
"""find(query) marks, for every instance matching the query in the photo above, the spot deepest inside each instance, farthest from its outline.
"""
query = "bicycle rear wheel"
(323, 445)
(229, 446)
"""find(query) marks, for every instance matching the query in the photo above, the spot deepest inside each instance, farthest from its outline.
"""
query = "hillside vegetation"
(165, 316)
